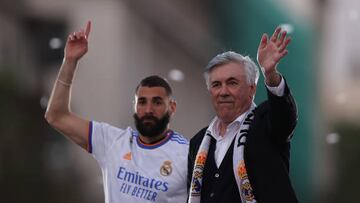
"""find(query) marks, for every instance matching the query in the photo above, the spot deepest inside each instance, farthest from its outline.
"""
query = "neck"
(225, 122)
(222, 128)
(153, 140)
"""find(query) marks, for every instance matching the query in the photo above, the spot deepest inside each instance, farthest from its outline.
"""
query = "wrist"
(270, 74)
(272, 79)
(66, 84)
(70, 61)
(67, 71)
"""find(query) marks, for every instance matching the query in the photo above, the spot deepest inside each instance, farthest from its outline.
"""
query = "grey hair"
(251, 69)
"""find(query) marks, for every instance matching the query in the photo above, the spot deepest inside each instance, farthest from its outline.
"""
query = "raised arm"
(58, 113)
(283, 111)
(270, 52)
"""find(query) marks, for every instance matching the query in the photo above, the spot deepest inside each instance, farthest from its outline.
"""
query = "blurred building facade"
(338, 80)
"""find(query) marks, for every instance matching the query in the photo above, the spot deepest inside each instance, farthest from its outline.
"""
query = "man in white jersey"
(143, 165)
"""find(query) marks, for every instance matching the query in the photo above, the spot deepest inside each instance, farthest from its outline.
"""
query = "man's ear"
(134, 103)
(172, 107)
(253, 90)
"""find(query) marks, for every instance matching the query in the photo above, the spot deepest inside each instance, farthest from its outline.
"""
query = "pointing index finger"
(88, 29)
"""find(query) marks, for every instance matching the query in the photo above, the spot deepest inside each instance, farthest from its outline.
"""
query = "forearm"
(59, 103)
(67, 70)
(283, 114)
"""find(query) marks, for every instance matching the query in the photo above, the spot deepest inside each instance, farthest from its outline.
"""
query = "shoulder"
(179, 138)
(107, 129)
(107, 126)
(196, 140)
(262, 108)
(176, 145)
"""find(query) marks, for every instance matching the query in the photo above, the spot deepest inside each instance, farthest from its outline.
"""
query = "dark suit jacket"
(267, 149)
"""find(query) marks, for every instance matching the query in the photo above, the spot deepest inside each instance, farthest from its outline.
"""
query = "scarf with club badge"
(242, 180)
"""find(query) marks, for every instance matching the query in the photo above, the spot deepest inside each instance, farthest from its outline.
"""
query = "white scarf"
(242, 180)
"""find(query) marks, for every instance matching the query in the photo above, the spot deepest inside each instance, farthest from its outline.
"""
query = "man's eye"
(157, 102)
(214, 85)
(141, 102)
(232, 83)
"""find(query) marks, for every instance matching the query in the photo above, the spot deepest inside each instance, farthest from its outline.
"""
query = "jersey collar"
(168, 135)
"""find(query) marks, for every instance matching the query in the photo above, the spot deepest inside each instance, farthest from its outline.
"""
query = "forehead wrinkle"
(237, 76)
(232, 78)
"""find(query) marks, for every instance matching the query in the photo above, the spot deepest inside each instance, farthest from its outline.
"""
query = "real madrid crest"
(166, 168)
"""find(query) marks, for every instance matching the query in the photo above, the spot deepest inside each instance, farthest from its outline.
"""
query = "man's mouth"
(148, 120)
(225, 102)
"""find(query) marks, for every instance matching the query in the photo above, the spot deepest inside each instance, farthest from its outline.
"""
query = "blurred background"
(175, 39)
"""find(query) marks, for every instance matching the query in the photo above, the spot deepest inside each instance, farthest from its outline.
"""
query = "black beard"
(151, 130)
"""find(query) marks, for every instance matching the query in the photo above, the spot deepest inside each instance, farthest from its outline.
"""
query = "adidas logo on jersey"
(127, 156)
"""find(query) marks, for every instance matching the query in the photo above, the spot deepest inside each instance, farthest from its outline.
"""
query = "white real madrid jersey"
(135, 172)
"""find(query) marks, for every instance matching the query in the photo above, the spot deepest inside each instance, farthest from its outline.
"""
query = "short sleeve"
(101, 137)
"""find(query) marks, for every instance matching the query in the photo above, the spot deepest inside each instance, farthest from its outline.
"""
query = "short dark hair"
(155, 81)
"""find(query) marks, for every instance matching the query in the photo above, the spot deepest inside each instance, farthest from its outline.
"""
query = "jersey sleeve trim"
(90, 131)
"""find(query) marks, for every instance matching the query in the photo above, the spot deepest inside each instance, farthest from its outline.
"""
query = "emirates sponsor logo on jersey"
(135, 177)
(127, 156)
(138, 186)
(166, 168)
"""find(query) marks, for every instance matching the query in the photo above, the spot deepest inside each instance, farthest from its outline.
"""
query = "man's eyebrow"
(227, 79)
(141, 98)
(215, 81)
(157, 98)
(232, 78)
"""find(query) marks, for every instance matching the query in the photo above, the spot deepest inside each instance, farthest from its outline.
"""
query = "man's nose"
(149, 108)
(224, 91)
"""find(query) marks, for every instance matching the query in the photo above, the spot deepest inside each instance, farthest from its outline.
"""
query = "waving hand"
(270, 52)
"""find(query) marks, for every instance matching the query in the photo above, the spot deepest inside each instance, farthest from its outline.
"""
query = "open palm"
(271, 51)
